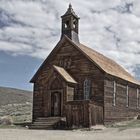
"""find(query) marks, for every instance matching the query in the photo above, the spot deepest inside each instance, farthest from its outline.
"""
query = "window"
(70, 93)
(127, 96)
(74, 23)
(87, 88)
(65, 62)
(114, 93)
(66, 25)
(137, 98)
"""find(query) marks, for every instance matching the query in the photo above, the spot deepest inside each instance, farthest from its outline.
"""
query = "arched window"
(74, 23)
(87, 89)
(66, 25)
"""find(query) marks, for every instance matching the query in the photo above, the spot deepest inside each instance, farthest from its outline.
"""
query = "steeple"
(70, 24)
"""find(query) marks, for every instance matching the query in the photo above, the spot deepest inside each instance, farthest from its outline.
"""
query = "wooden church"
(77, 86)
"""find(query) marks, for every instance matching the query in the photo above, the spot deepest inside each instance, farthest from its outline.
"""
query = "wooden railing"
(77, 113)
(83, 113)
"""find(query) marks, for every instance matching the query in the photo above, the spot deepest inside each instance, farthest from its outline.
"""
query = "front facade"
(81, 85)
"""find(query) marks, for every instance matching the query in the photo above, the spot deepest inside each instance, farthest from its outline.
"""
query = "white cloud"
(15, 47)
(32, 27)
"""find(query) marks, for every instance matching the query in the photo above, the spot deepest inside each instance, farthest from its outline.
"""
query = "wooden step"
(41, 127)
(49, 118)
(45, 123)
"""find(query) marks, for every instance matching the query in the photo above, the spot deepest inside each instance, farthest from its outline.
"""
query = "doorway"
(56, 103)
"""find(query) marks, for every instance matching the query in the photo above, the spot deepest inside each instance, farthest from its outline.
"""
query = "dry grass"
(15, 104)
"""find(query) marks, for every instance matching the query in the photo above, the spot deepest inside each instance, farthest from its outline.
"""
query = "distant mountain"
(16, 104)
(14, 96)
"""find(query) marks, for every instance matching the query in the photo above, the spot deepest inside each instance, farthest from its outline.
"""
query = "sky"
(30, 29)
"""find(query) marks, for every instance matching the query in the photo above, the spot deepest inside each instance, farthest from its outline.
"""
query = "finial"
(70, 6)
(70, 11)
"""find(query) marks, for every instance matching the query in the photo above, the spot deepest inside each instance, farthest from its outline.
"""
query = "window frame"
(70, 93)
(127, 96)
(114, 93)
(87, 89)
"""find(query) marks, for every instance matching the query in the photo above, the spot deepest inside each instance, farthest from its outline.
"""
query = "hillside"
(14, 96)
(15, 104)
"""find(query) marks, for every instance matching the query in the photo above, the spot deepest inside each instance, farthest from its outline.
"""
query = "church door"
(56, 103)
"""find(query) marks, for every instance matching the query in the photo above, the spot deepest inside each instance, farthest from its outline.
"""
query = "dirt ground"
(105, 134)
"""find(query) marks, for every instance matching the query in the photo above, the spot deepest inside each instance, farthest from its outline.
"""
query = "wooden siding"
(120, 111)
(37, 101)
(95, 113)
(55, 83)
(77, 114)
(83, 114)
(79, 69)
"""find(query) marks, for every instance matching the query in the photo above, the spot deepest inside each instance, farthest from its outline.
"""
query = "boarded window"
(70, 93)
(114, 93)
(87, 89)
(65, 62)
(137, 98)
(127, 96)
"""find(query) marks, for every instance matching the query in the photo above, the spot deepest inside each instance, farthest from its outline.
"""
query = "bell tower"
(70, 25)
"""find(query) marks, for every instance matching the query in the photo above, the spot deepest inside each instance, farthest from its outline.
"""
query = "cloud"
(33, 27)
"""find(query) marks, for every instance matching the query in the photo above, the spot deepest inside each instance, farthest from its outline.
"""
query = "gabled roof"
(107, 64)
(42, 65)
(102, 62)
(64, 74)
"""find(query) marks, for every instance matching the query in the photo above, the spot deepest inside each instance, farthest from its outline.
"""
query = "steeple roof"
(70, 11)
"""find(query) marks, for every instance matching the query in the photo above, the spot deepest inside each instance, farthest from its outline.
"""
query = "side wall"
(120, 111)
(37, 101)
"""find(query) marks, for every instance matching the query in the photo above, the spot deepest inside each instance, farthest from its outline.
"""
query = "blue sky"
(16, 71)
(30, 29)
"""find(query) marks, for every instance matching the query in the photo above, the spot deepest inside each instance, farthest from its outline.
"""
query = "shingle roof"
(107, 65)
(64, 74)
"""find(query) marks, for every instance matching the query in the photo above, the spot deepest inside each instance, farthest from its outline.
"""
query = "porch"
(78, 114)
(83, 113)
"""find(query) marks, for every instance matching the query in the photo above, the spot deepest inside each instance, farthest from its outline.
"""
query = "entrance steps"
(46, 123)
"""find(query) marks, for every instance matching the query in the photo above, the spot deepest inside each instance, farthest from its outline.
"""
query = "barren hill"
(16, 104)
(14, 96)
